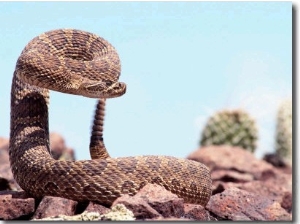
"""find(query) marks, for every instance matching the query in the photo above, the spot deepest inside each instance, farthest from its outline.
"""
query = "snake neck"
(29, 134)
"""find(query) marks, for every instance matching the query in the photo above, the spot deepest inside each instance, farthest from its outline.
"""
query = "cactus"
(230, 127)
(119, 212)
(283, 143)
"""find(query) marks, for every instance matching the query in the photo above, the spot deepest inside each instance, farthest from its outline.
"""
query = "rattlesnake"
(78, 62)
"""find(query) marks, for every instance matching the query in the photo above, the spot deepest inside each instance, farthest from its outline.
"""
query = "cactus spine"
(283, 143)
(230, 127)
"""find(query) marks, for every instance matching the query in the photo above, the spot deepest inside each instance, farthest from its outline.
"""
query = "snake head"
(103, 90)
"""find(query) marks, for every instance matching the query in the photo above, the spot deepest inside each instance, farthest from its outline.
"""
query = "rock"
(7, 182)
(256, 187)
(197, 212)
(170, 219)
(93, 207)
(153, 201)
(140, 208)
(230, 158)
(163, 201)
(274, 159)
(230, 176)
(278, 162)
(54, 206)
(4, 143)
(287, 201)
(57, 145)
(239, 205)
(273, 184)
(236, 167)
(59, 149)
(244, 188)
(16, 205)
(277, 180)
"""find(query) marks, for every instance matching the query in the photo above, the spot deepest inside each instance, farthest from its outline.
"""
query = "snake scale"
(77, 62)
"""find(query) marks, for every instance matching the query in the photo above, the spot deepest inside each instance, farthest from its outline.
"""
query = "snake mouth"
(116, 89)
(99, 90)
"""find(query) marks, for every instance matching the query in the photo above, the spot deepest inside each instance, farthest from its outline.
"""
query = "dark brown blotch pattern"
(94, 180)
(59, 40)
(127, 166)
(153, 163)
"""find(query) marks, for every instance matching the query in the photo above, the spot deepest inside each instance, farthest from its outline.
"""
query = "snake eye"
(108, 83)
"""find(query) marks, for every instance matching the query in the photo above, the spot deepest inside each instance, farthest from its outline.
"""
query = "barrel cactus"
(230, 127)
(283, 143)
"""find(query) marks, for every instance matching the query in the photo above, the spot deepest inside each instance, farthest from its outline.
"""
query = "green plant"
(230, 127)
(283, 143)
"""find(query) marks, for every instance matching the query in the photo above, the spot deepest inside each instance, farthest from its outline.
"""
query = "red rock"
(230, 176)
(93, 207)
(4, 143)
(16, 205)
(273, 192)
(230, 158)
(59, 149)
(287, 201)
(197, 212)
(153, 201)
(278, 162)
(7, 182)
(275, 160)
(57, 144)
(235, 204)
(273, 184)
(163, 201)
(54, 206)
(274, 177)
(140, 208)
(170, 219)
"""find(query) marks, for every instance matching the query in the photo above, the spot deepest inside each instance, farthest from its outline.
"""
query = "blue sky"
(181, 62)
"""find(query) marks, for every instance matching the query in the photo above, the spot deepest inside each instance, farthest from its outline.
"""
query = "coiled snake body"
(78, 62)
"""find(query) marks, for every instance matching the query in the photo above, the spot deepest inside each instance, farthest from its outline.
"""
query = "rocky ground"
(244, 188)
